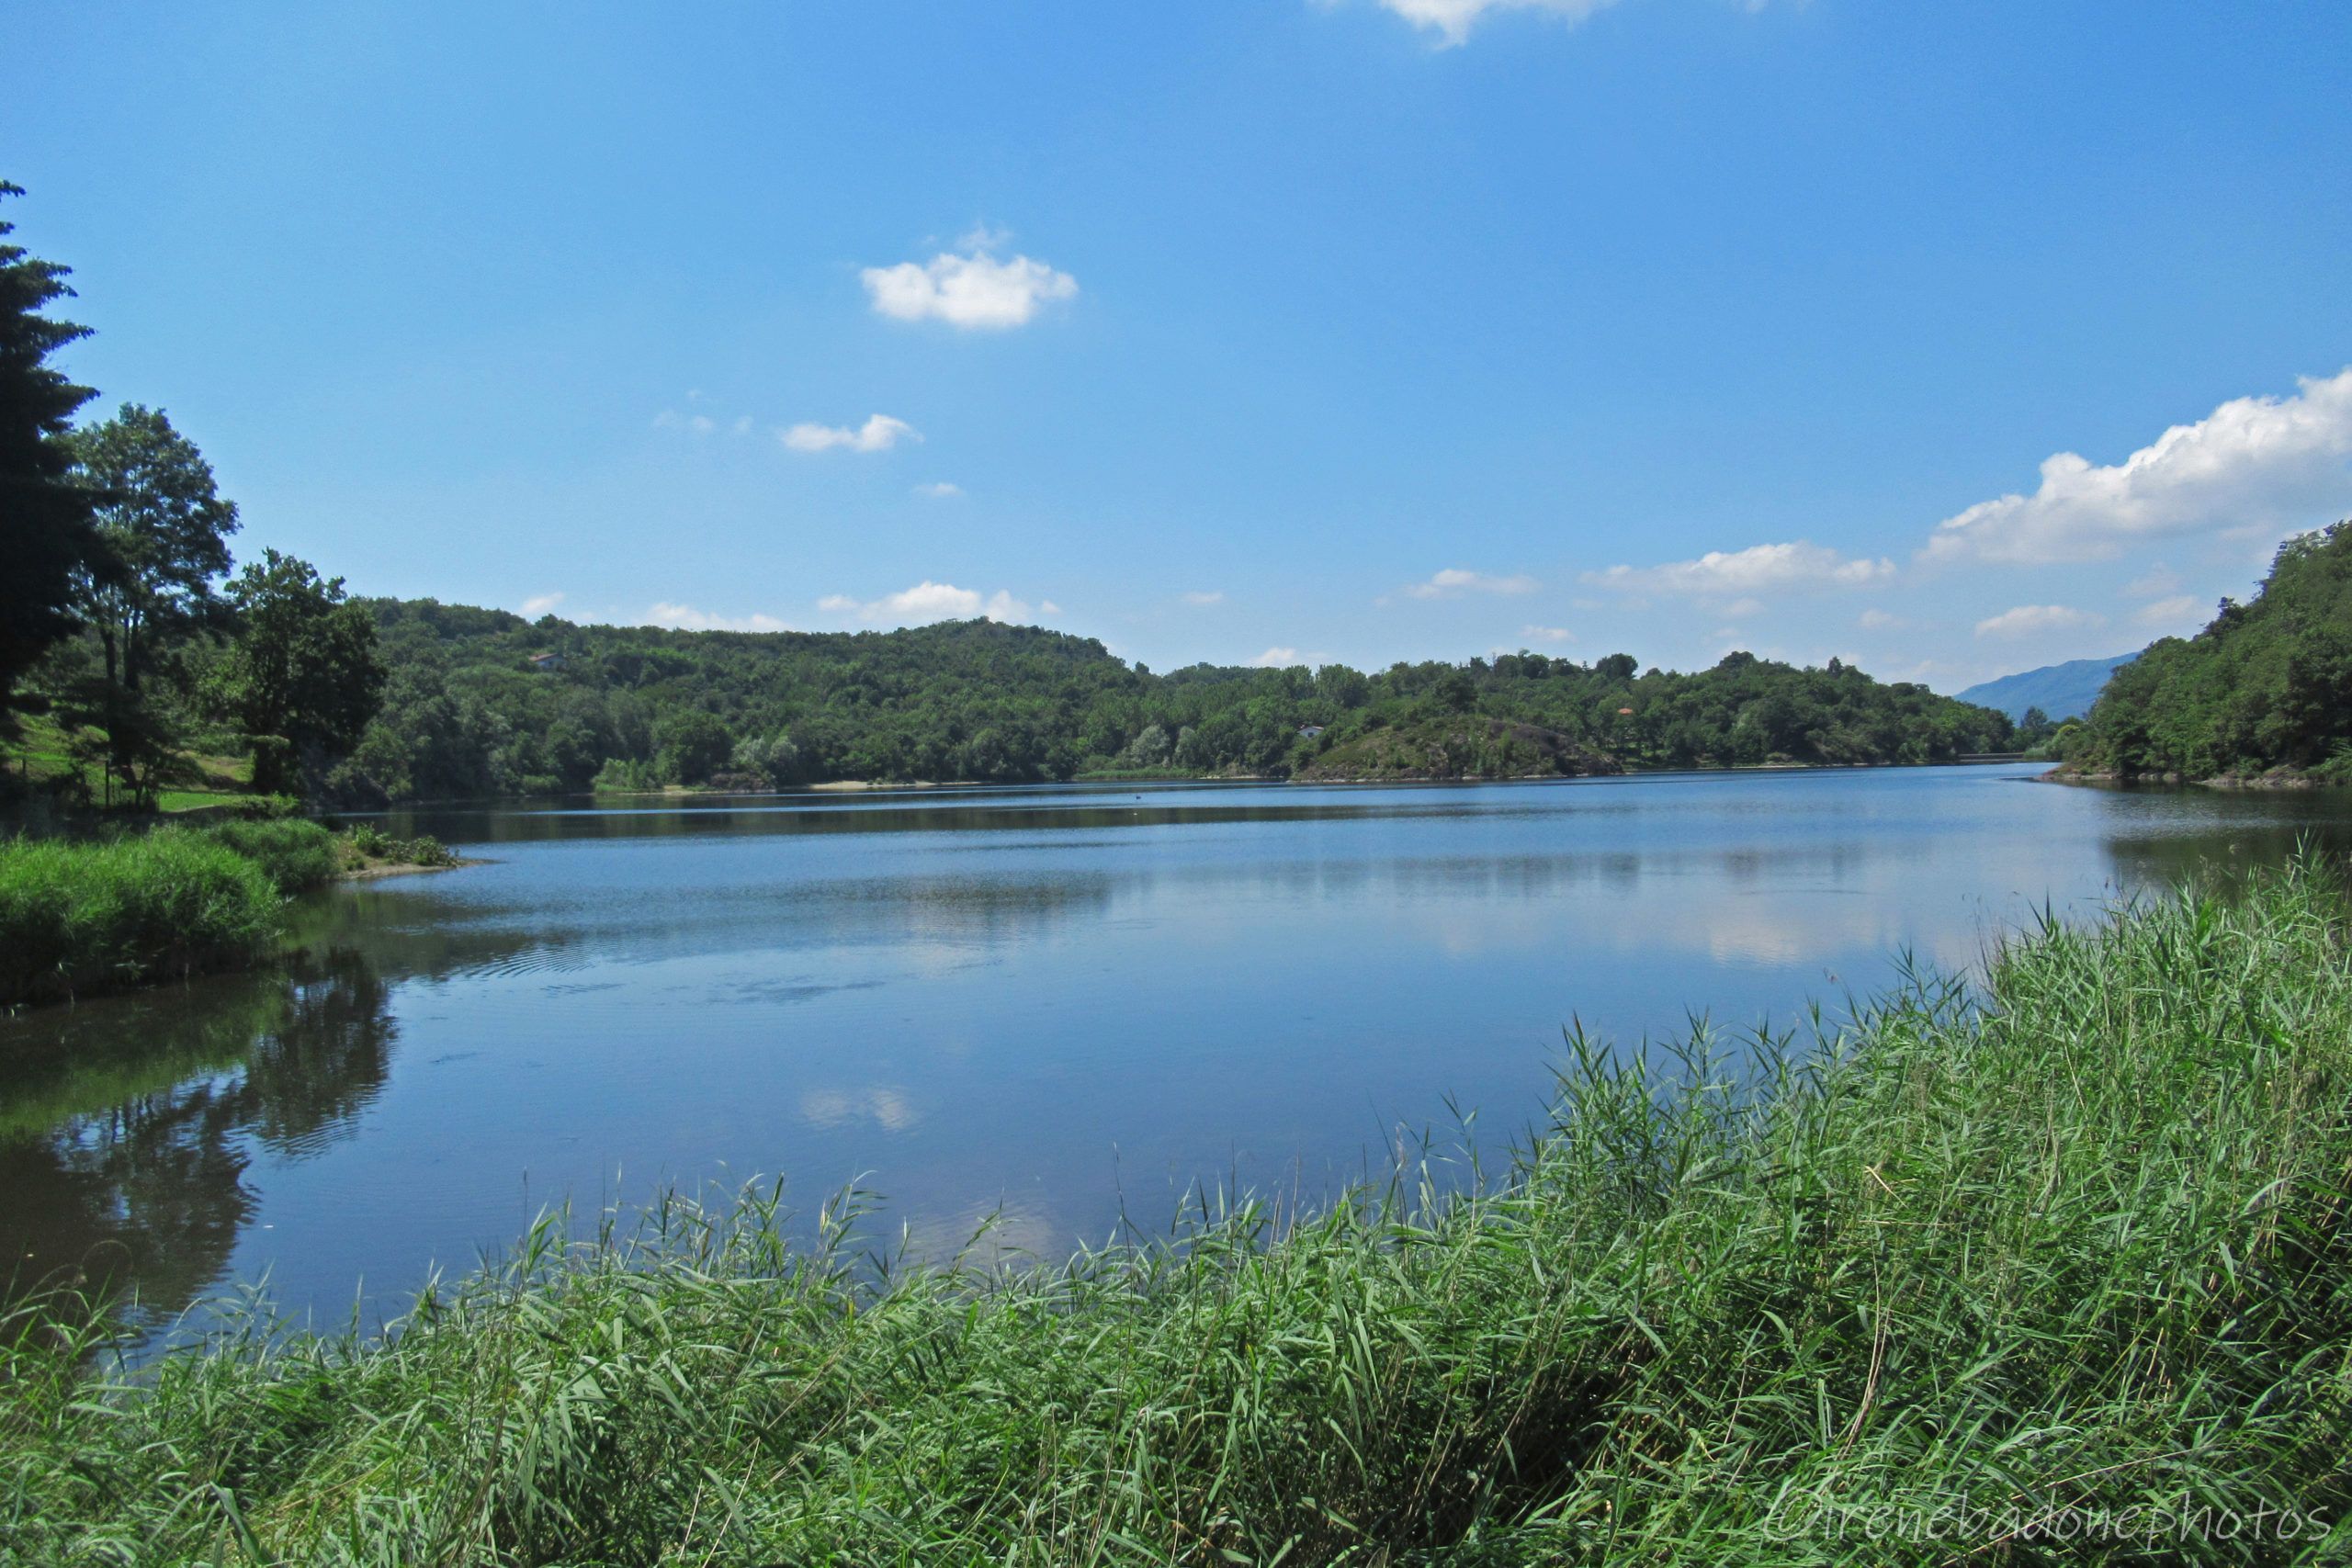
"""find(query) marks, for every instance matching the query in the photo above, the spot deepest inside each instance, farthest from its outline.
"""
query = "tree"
(692, 746)
(45, 530)
(165, 530)
(301, 675)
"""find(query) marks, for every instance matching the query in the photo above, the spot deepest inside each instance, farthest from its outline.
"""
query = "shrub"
(81, 918)
(426, 849)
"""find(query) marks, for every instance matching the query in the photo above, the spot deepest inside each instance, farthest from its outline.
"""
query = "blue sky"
(1951, 339)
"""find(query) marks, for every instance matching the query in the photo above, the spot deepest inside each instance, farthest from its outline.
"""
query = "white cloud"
(539, 605)
(1048, 607)
(1278, 658)
(1723, 574)
(1878, 620)
(1452, 19)
(2158, 580)
(940, 491)
(927, 602)
(2254, 464)
(1210, 596)
(968, 288)
(2182, 612)
(686, 617)
(879, 433)
(1453, 582)
(1738, 608)
(1547, 633)
(2035, 620)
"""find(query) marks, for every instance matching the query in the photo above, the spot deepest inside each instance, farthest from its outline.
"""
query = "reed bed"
(77, 918)
(297, 854)
(2054, 1269)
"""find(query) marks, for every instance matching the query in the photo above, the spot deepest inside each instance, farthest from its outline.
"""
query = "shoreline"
(2277, 781)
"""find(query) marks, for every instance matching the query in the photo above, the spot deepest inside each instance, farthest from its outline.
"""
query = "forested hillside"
(2267, 685)
(480, 702)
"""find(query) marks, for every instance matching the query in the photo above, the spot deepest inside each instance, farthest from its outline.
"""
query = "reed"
(77, 919)
(2056, 1268)
(298, 856)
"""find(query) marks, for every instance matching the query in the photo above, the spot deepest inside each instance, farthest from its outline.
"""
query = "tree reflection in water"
(125, 1166)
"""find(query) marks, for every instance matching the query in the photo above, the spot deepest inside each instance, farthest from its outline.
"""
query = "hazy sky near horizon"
(1947, 339)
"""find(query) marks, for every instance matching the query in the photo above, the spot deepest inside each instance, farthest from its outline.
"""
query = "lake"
(1051, 1006)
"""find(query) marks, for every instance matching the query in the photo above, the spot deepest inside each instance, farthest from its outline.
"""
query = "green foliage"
(691, 745)
(77, 918)
(2078, 1243)
(164, 532)
(295, 854)
(1453, 745)
(2268, 685)
(302, 676)
(46, 537)
(466, 714)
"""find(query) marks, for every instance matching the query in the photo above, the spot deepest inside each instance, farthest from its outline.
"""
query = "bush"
(77, 918)
(296, 853)
(426, 849)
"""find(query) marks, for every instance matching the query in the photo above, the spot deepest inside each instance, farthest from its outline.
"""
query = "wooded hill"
(482, 703)
(2266, 686)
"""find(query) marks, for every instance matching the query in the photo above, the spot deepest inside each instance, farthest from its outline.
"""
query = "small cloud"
(1454, 581)
(1733, 574)
(1452, 19)
(1278, 658)
(539, 605)
(2157, 580)
(2034, 620)
(879, 433)
(927, 602)
(743, 425)
(968, 288)
(1740, 607)
(686, 617)
(940, 491)
(2180, 612)
(1049, 608)
(1547, 633)
(2258, 464)
(1877, 620)
(1201, 597)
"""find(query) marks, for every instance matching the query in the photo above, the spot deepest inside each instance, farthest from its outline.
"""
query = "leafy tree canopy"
(302, 677)
(2268, 685)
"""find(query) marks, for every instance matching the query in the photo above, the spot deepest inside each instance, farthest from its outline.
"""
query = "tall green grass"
(297, 854)
(2057, 1271)
(81, 918)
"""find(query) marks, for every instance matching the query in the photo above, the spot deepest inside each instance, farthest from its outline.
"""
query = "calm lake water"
(1037, 1003)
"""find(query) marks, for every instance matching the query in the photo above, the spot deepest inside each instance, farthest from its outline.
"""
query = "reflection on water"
(129, 1132)
(1019, 1009)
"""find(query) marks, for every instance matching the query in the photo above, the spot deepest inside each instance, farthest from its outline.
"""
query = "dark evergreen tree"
(46, 535)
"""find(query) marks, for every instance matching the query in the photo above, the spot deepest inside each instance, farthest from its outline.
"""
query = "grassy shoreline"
(2058, 1271)
(84, 917)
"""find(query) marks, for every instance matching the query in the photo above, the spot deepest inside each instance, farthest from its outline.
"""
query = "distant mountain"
(2061, 691)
